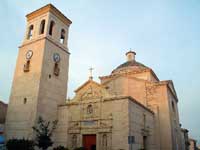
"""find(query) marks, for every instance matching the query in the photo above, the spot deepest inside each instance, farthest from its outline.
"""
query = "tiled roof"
(131, 64)
(1, 102)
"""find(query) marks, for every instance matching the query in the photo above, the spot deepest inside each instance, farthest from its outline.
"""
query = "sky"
(165, 34)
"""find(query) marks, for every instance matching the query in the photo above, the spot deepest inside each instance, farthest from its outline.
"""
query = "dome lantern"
(130, 55)
(130, 64)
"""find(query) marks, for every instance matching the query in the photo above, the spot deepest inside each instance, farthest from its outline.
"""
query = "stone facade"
(95, 111)
(129, 109)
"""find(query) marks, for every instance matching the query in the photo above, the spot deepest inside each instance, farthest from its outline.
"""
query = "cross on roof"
(91, 69)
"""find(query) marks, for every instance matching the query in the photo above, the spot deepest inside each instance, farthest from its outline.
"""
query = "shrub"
(80, 148)
(60, 148)
(20, 144)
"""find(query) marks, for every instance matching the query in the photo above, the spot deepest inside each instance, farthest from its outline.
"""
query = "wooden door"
(89, 142)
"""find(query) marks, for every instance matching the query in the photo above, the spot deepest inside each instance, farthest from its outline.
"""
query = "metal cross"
(91, 69)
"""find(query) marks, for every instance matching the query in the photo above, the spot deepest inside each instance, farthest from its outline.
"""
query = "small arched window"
(30, 32)
(144, 120)
(62, 36)
(51, 28)
(173, 107)
(42, 27)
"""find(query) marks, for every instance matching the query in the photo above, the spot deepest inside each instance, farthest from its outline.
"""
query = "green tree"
(43, 132)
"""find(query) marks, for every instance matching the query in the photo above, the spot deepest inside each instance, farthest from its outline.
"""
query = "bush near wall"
(64, 148)
(20, 144)
(60, 148)
(80, 148)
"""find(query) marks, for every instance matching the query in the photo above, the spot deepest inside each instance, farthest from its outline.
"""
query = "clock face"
(56, 57)
(29, 54)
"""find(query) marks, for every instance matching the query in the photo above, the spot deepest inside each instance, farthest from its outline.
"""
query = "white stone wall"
(158, 102)
(61, 132)
(177, 139)
(119, 111)
(128, 86)
(139, 119)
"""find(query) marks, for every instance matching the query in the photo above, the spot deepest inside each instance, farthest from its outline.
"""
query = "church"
(130, 109)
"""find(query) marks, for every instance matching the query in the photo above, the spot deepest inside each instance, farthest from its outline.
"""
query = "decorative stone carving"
(74, 141)
(91, 93)
(151, 90)
(73, 125)
(105, 141)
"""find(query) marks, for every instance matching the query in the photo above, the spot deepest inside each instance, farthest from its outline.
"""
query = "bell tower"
(41, 74)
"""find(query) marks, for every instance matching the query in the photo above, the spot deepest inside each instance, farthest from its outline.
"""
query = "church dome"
(130, 65)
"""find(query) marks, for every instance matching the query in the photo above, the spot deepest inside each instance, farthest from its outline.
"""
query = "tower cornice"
(46, 38)
(49, 8)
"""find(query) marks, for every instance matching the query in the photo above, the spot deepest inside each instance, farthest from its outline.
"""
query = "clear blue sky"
(164, 33)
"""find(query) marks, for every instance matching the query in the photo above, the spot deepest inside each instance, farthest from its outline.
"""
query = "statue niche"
(56, 69)
(27, 66)
(56, 58)
(89, 109)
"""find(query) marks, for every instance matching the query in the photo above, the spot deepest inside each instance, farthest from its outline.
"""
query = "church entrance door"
(89, 142)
